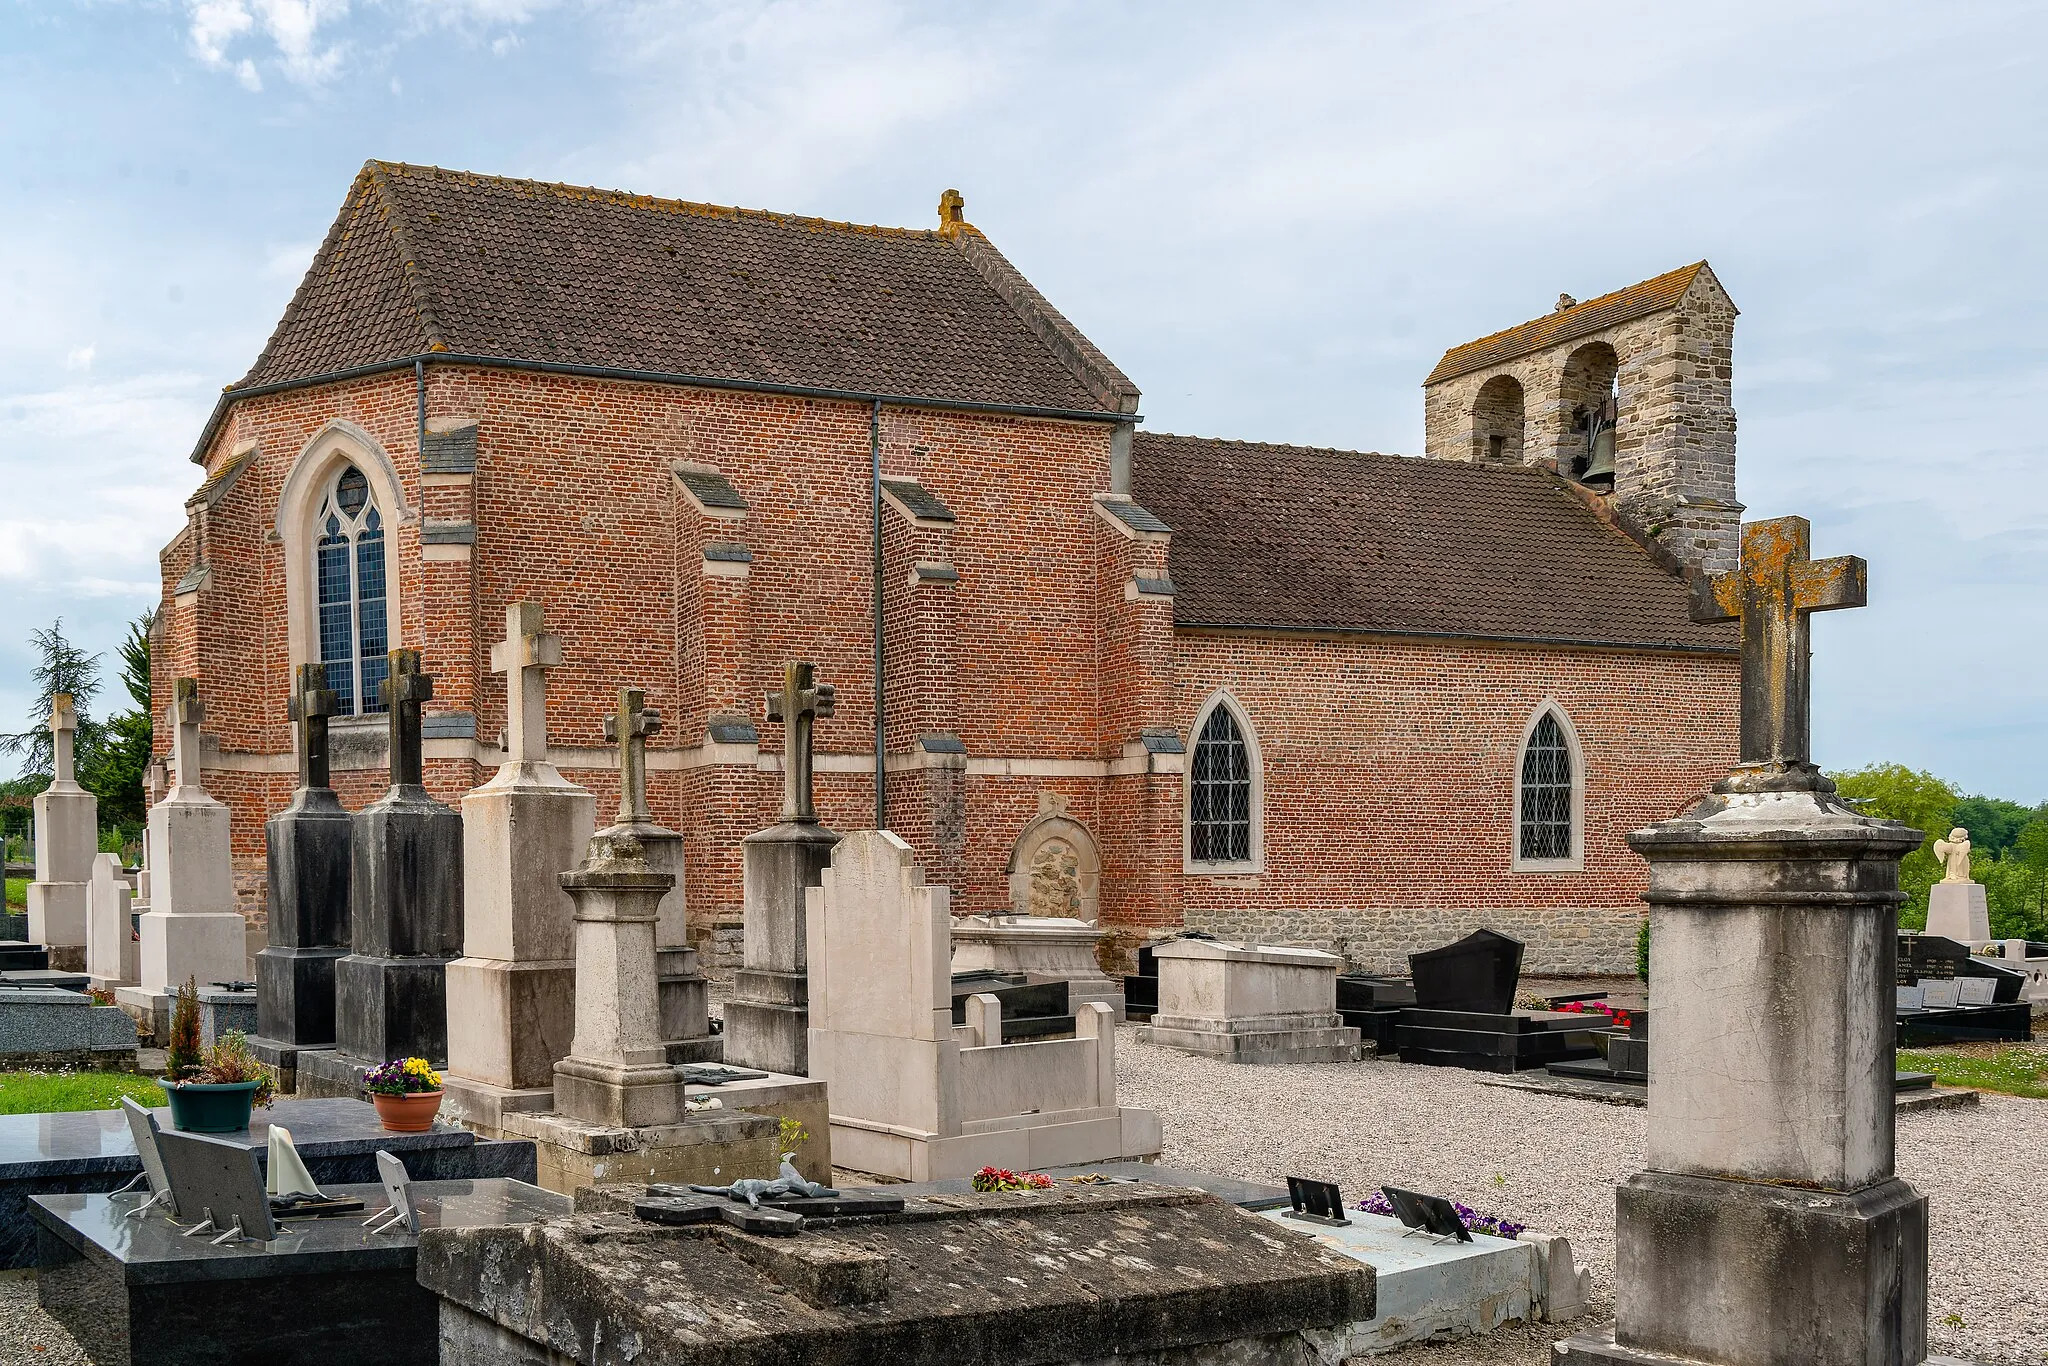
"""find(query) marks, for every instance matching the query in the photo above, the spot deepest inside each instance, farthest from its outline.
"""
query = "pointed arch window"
(349, 572)
(1223, 794)
(1550, 797)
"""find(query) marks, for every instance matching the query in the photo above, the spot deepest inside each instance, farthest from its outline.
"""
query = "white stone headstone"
(193, 928)
(67, 837)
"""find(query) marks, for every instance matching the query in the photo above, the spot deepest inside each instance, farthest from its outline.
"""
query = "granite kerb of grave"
(1080, 1274)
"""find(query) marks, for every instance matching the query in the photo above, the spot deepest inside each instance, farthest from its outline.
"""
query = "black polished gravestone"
(1477, 974)
(307, 848)
(405, 913)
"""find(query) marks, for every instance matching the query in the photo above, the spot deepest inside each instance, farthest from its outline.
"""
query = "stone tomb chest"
(1249, 1003)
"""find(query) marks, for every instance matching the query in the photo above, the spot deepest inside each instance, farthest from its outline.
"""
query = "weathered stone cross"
(801, 700)
(630, 726)
(63, 731)
(187, 712)
(312, 702)
(403, 689)
(1776, 588)
(524, 656)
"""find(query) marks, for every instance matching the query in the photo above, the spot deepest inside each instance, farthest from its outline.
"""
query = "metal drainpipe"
(419, 373)
(875, 533)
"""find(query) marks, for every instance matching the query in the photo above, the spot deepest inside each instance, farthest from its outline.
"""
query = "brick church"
(1360, 700)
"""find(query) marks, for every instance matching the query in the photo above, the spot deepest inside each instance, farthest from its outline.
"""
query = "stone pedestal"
(192, 929)
(1769, 1227)
(682, 996)
(67, 838)
(405, 926)
(512, 994)
(617, 1073)
(112, 957)
(1249, 1003)
(308, 853)
(1958, 911)
(768, 1019)
(1042, 949)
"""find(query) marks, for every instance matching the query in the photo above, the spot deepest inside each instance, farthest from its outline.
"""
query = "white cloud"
(79, 357)
(292, 27)
(215, 24)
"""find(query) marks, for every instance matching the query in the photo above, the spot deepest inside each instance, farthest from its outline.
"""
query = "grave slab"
(49, 1027)
(135, 1292)
(84, 1151)
(1249, 1003)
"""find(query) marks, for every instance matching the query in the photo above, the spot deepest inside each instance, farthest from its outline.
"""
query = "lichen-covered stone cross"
(1777, 586)
(403, 690)
(524, 656)
(187, 712)
(312, 702)
(800, 702)
(63, 732)
(629, 728)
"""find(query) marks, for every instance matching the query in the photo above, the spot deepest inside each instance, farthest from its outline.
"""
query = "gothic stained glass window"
(349, 575)
(1547, 792)
(1220, 793)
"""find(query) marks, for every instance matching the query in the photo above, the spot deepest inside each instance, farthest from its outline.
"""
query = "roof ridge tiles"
(1511, 343)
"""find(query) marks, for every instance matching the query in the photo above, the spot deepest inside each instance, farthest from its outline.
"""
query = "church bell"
(1600, 447)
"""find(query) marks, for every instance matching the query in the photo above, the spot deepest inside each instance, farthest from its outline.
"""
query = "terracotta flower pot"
(407, 1114)
(214, 1107)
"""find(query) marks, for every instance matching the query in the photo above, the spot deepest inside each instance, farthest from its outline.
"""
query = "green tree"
(1895, 792)
(116, 767)
(61, 667)
(1993, 822)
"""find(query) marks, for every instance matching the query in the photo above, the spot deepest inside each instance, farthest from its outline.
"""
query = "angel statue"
(1954, 853)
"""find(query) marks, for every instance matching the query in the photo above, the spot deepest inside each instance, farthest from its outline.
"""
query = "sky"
(1274, 219)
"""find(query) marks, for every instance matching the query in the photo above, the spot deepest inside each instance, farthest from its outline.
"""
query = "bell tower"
(1627, 395)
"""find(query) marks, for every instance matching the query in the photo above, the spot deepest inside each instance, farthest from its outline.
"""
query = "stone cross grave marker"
(63, 731)
(187, 711)
(629, 728)
(312, 702)
(524, 656)
(1772, 594)
(403, 691)
(797, 706)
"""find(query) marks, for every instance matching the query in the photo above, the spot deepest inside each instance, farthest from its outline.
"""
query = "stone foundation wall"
(1561, 940)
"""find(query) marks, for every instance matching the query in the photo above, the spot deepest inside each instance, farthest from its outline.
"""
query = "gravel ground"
(1553, 1162)
(27, 1334)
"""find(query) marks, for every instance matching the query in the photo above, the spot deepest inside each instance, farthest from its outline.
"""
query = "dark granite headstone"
(405, 900)
(1477, 974)
(308, 854)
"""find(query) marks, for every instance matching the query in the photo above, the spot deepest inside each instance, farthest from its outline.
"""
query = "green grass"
(2012, 1071)
(40, 1093)
(17, 891)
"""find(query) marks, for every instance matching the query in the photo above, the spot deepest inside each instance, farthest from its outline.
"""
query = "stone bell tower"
(1627, 394)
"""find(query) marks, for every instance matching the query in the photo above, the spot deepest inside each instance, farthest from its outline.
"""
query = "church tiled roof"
(426, 260)
(1295, 538)
(1580, 320)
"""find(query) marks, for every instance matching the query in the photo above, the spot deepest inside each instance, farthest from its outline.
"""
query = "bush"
(231, 1061)
(1643, 949)
(184, 1056)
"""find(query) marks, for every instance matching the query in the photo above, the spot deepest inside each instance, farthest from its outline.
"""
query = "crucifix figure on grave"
(1772, 593)
(312, 702)
(403, 691)
(801, 701)
(629, 727)
(524, 656)
(63, 732)
(187, 712)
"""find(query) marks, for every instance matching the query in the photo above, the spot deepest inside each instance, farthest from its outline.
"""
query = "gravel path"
(1553, 1162)
(27, 1334)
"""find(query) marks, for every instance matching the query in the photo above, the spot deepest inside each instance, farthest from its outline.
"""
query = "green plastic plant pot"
(212, 1107)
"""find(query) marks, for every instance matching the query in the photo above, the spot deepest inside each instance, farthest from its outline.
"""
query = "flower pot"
(212, 1107)
(407, 1114)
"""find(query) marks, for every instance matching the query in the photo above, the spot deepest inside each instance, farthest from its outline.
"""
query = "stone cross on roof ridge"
(801, 700)
(1771, 594)
(63, 729)
(629, 727)
(312, 702)
(187, 713)
(524, 656)
(403, 690)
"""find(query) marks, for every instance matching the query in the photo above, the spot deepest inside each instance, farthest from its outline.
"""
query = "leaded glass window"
(1547, 792)
(349, 573)
(1220, 793)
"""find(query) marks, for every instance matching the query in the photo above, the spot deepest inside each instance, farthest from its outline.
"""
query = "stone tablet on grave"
(1943, 993)
(1912, 998)
(192, 929)
(307, 848)
(1477, 974)
(1976, 991)
(67, 838)
(512, 994)
(767, 1021)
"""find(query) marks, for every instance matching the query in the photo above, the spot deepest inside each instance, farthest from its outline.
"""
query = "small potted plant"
(212, 1090)
(407, 1094)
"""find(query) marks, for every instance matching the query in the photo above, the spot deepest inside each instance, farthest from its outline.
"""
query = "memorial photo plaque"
(213, 1178)
(1430, 1214)
(1316, 1201)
